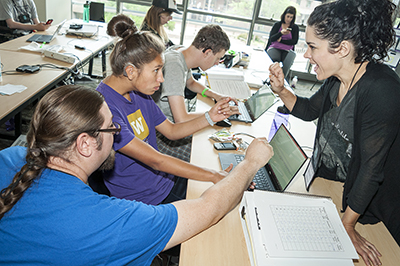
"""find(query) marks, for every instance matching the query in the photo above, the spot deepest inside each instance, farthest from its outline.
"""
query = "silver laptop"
(87, 30)
(40, 38)
(255, 105)
(281, 169)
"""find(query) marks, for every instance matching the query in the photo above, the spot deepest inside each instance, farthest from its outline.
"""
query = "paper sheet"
(10, 89)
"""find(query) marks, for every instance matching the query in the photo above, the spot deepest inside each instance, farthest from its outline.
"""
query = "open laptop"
(282, 167)
(40, 38)
(255, 105)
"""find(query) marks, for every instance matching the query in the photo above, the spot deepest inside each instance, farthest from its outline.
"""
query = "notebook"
(255, 105)
(44, 37)
(228, 82)
(286, 229)
(87, 30)
(282, 167)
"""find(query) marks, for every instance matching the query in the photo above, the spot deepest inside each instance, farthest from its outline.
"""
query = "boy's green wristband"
(202, 93)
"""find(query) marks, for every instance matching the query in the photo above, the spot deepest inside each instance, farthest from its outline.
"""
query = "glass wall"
(247, 22)
(109, 8)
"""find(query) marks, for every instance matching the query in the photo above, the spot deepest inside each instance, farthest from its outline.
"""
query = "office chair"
(7, 34)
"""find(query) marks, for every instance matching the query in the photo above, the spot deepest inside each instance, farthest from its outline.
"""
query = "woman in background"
(357, 140)
(157, 16)
(283, 37)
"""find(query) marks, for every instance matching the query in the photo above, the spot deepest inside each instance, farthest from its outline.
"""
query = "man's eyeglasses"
(205, 49)
(115, 130)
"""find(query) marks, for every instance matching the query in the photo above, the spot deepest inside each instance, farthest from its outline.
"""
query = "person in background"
(21, 15)
(358, 132)
(283, 37)
(141, 172)
(50, 216)
(206, 50)
(157, 16)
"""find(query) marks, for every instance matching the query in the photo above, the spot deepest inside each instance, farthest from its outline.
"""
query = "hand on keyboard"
(237, 105)
(222, 110)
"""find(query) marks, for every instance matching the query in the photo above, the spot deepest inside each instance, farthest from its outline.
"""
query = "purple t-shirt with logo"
(281, 46)
(130, 178)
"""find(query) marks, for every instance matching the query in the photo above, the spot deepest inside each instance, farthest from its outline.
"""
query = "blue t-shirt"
(131, 179)
(61, 221)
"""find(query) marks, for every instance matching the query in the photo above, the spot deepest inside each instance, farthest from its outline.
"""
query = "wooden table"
(224, 243)
(39, 83)
(94, 45)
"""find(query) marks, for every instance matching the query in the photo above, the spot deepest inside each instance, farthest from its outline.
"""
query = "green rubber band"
(202, 93)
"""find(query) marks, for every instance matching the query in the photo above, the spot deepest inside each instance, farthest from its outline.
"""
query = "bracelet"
(202, 93)
(209, 120)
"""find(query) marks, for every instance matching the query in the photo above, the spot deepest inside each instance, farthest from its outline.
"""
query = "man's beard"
(108, 164)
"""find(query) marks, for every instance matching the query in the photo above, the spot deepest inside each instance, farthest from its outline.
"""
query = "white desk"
(37, 84)
(41, 82)
(224, 243)
(94, 45)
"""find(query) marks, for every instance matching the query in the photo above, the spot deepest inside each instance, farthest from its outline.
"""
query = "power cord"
(32, 69)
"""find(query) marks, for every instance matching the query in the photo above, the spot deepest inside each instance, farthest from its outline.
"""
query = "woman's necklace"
(310, 171)
(351, 83)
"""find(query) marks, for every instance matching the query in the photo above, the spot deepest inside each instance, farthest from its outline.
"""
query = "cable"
(313, 85)
(243, 133)
(47, 65)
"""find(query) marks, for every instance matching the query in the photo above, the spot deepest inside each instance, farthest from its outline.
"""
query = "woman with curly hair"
(357, 140)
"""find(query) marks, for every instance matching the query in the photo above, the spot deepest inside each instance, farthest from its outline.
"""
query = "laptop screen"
(261, 101)
(288, 156)
(58, 29)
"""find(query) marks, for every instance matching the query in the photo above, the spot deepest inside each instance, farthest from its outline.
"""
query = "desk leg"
(103, 65)
(103, 62)
(90, 70)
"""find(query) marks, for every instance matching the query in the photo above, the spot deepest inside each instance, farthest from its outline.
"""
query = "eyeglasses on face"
(205, 49)
(115, 130)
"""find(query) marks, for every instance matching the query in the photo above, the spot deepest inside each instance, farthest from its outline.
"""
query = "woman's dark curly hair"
(367, 24)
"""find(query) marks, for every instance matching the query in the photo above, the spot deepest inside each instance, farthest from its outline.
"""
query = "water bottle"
(281, 117)
(86, 13)
(294, 82)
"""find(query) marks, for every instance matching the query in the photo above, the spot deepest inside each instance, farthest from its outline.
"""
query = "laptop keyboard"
(244, 115)
(261, 180)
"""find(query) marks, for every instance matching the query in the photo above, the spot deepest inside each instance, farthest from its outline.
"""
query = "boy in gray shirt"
(206, 50)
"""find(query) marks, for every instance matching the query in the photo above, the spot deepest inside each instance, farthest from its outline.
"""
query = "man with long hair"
(50, 216)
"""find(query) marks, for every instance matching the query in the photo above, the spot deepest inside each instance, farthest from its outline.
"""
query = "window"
(236, 17)
(243, 8)
(136, 12)
(109, 8)
(236, 30)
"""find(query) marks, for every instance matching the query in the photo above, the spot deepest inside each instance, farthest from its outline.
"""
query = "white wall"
(55, 9)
